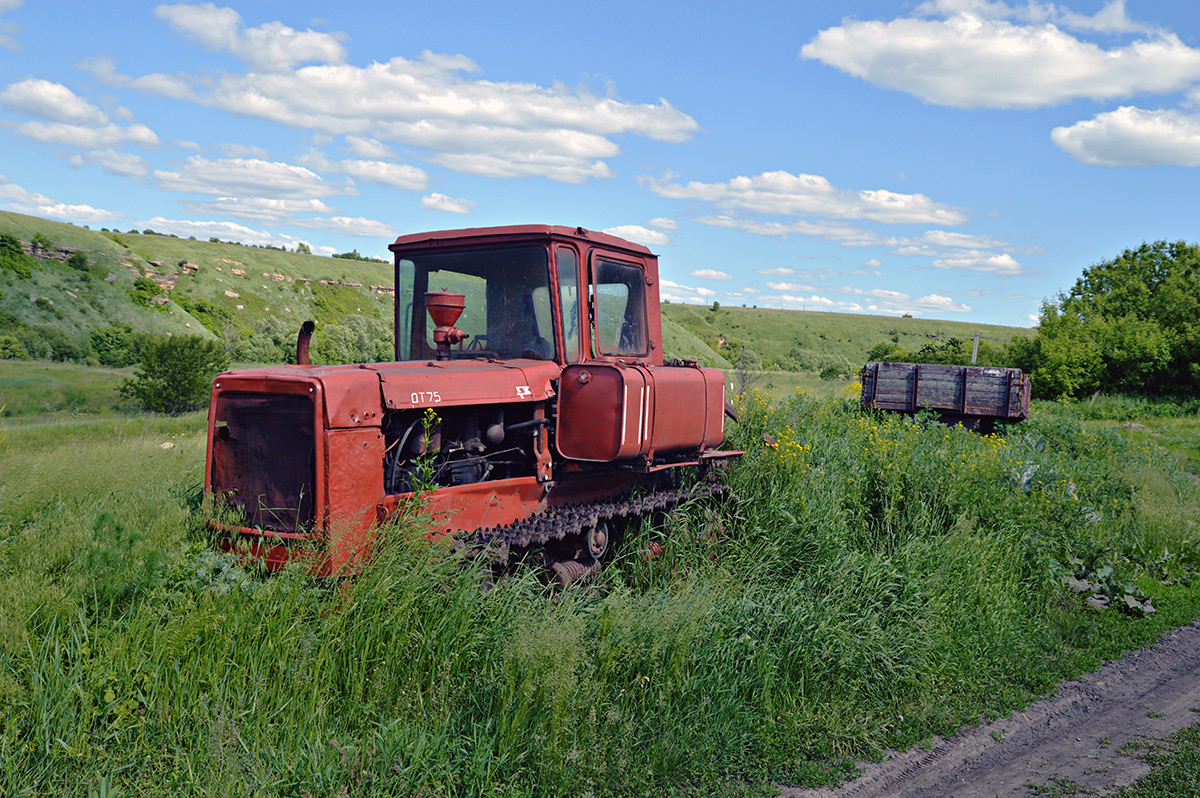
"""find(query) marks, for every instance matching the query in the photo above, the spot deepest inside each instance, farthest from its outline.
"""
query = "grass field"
(880, 581)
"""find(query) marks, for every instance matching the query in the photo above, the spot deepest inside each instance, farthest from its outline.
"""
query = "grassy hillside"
(793, 340)
(241, 294)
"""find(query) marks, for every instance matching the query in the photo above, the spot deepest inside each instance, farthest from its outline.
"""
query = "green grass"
(37, 388)
(880, 581)
(1176, 765)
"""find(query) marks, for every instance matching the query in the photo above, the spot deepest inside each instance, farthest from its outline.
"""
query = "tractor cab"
(536, 292)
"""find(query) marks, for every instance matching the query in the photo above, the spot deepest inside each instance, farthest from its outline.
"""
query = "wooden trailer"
(974, 396)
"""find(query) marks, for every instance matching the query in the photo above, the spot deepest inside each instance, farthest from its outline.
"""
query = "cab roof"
(516, 232)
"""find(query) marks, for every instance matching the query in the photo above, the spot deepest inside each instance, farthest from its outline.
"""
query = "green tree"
(303, 248)
(353, 339)
(175, 374)
(1129, 324)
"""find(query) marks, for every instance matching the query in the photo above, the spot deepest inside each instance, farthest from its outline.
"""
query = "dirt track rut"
(1072, 738)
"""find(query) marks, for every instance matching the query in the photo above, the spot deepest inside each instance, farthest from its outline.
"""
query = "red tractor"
(528, 403)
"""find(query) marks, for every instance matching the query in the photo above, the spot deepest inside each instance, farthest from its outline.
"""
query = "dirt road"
(1072, 740)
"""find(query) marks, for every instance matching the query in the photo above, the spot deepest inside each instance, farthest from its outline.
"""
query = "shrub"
(175, 374)
(12, 348)
(144, 289)
(78, 261)
(13, 257)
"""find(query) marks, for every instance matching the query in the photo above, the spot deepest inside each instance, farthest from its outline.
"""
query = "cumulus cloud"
(969, 54)
(8, 28)
(870, 267)
(639, 234)
(711, 274)
(50, 101)
(1000, 264)
(226, 231)
(22, 200)
(887, 301)
(257, 209)
(440, 202)
(662, 223)
(396, 175)
(790, 287)
(813, 302)
(672, 291)
(64, 117)
(232, 150)
(367, 147)
(350, 225)
(780, 271)
(436, 102)
(1132, 136)
(249, 177)
(115, 162)
(784, 194)
(272, 46)
(845, 234)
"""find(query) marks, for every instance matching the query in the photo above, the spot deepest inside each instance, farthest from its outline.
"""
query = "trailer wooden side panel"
(959, 391)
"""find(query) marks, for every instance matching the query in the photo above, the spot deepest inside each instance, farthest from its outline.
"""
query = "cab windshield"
(508, 311)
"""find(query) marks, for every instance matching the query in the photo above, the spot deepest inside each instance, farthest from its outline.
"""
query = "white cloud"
(243, 151)
(440, 202)
(21, 200)
(814, 302)
(1000, 264)
(7, 28)
(790, 287)
(50, 101)
(711, 274)
(893, 302)
(109, 135)
(1133, 136)
(271, 46)
(782, 193)
(226, 231)
(662, 223)
(64, 117)
(476, 126)
(639, 234)
(781, 271)
(975, 57)
(246, 177)
(367, 147)
(257, 209)
(845, 234)
(115, 162)
(351, 226)
(676, 292)
(396, 175)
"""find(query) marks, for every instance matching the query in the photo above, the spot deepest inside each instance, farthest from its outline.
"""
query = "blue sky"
(953, 159)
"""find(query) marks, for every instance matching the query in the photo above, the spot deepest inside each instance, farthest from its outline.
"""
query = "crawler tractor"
(528, 404)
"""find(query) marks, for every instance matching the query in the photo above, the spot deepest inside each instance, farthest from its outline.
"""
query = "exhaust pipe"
(306, 331)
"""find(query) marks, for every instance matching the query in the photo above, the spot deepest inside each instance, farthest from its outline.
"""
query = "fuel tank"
(616, 411)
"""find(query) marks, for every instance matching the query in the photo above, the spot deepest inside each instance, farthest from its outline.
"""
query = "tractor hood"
(352, 393)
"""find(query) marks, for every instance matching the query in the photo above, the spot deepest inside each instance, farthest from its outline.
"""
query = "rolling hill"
(164, 284)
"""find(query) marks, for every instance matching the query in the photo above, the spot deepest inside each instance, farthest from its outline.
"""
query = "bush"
(175, 374)
(79, 262)
(144, 290)
(12, 348)
(13, 257)
(118, 345)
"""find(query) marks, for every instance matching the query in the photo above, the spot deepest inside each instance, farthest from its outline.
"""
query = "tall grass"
(878, 581)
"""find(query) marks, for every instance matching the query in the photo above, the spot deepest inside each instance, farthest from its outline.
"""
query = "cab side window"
(619, 305)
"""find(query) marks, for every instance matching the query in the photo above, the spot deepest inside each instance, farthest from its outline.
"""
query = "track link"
(559, 522)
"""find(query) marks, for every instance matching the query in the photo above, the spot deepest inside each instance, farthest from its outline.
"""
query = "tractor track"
(556, 523)
(1070, 742)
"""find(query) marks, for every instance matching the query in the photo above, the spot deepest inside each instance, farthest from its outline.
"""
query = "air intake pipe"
(306, 331)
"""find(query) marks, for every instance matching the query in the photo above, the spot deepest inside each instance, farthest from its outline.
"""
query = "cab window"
(619, 307)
